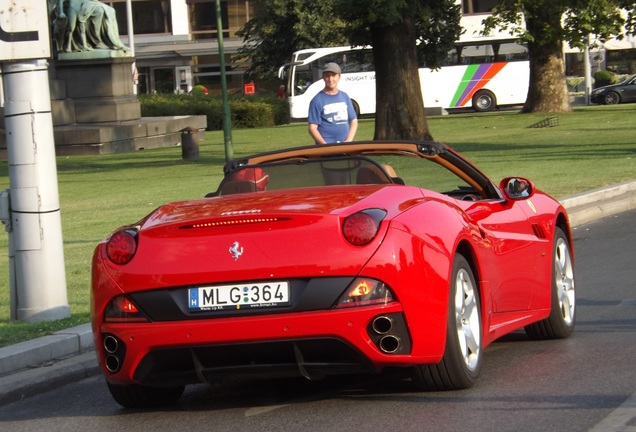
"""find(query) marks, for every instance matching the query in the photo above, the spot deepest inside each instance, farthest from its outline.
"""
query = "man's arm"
(353, 127)
(313, 131)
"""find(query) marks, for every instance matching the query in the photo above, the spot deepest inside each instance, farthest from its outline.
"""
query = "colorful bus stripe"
(474, 79)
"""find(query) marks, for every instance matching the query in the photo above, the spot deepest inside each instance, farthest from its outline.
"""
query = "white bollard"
(37, 272)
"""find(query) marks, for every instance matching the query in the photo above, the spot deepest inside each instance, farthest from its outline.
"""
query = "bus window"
(304, 78)
(477, 54)
(511, 51)
(452, 58)
(349, 61)
(358, 61)
(303, 56)
(339, 58)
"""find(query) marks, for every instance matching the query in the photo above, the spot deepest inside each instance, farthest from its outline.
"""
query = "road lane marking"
(622, 419)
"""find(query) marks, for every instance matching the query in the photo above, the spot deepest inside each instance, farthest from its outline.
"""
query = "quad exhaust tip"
(389, 333)
(115, 351)
(112, 363)
(383, 324)
(390, 344)
(111, 344)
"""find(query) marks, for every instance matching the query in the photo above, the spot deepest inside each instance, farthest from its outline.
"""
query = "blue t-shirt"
(332, 114)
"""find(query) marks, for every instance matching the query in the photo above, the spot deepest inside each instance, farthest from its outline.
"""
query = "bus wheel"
(484, 100)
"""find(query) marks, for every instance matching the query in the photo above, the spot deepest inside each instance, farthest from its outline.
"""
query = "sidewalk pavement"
(35, 366)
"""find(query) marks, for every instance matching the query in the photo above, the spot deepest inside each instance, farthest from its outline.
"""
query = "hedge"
(602, 78)
(246, 111)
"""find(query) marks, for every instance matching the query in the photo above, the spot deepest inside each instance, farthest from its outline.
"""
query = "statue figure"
(84, 25)
(59, 23)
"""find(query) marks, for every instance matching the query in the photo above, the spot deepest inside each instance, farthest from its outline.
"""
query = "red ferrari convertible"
(335, 259)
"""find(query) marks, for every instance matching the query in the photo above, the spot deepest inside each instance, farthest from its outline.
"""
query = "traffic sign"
(24, 30)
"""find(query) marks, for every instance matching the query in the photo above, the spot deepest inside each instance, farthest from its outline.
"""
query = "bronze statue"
(84, 25)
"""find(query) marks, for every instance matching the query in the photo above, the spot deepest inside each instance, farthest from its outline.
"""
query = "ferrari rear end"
(295, 282)
(320, 260)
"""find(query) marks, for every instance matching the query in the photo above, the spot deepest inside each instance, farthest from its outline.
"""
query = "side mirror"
(516, 188)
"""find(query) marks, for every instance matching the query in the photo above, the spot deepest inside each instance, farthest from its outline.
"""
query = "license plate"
(252, 295)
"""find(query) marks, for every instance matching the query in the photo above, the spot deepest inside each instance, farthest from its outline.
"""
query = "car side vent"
(233, 222)
(539, 231)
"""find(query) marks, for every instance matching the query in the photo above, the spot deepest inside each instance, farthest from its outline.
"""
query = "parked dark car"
(624, 91)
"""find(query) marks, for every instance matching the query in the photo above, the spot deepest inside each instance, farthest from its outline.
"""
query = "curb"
(599, 203)
(36, 366)
(48, 376)
(37, 352)
(32, 367)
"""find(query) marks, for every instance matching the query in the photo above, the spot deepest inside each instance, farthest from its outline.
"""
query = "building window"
(478, 6)
(234, 14)
(164, 80)
(206, 71)
(148, 16)
(621, 61)
(203, 19)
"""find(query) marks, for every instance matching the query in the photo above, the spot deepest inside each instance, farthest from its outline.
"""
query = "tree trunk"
(399, 111)
(547, 91)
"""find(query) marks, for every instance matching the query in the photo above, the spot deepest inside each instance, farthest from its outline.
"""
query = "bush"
(619, 78)
(602, 78)
(245, 111)
(574, 83)
(199, 90)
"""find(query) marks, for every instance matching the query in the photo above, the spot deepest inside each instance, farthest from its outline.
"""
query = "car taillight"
(122, 309)
(362, 227)
(121, 246)
(365, 292)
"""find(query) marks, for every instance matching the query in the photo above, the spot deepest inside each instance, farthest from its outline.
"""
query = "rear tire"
(560, 323)
(484, 100)
(462, 359)
(138, 396)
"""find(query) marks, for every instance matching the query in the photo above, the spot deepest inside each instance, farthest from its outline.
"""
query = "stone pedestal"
(95, 110)
(101, 90)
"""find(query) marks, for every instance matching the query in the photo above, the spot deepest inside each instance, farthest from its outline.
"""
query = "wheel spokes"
(467, 319)
(564, 279)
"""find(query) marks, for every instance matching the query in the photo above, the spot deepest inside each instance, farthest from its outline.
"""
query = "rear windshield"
(346, 170)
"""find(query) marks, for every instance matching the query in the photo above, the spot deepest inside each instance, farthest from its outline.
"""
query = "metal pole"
(131, 41)
(227, 118)
(129, 27)
(588, 70)
(35, 228)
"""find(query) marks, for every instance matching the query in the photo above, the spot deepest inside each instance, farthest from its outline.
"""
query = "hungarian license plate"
(250, 295)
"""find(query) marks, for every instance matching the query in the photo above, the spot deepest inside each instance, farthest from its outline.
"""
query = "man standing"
(331, 115)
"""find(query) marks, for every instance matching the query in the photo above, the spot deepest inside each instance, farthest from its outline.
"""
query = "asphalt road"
(585, 383)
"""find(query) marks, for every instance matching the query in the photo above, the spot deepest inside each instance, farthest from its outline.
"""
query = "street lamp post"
(227, 119)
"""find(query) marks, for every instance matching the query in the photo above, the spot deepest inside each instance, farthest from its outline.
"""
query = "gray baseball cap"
(332, 67)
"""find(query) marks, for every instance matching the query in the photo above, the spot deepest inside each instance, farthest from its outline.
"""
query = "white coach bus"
(480, 74)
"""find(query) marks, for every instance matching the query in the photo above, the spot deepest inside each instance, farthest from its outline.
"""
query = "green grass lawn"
(590, 148)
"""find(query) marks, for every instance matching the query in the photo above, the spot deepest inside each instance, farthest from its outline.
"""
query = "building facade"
(175, 43)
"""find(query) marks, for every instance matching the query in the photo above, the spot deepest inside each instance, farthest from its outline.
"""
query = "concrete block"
(63, 112)
(35, 352)
(110, 77)
(103, 110)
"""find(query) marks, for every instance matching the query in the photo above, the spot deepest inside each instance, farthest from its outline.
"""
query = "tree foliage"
(403, 34)
(436, 24)
(545, 25)
(280, 27)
